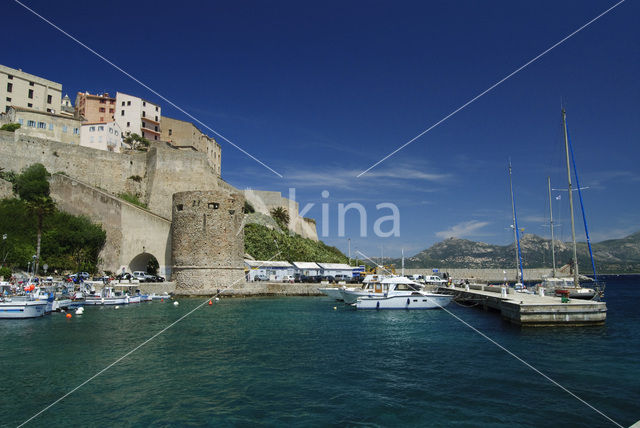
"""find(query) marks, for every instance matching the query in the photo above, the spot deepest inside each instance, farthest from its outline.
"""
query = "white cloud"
(466, 228)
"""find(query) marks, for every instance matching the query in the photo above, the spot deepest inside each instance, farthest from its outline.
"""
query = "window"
(111, 110)
(49, 99)
(103, 101)
(110, 130)
(76, 131)
(9, 87)
(31, 123)
(156, 110)
(144, 114)
(144, 104)
(102, 110)
(8, 99)
(179, 207)
(144, 125)
(29, 105)
(213, 205)
(155, 137)
(92, 129)
(51, 127)
(123, 104)
(156, 129)
(100, 128)
(49, 110)
(10, 77)
(128, 124)
(64, 128)
(170, 132)
(30, 93)
(42, 125)
(30, 83)
(112, 102)
(156, 118)
(122, 113)
(21, 121)
(128, 103)
(116, 132)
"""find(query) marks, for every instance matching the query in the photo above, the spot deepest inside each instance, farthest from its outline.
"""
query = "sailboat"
(570, 287)
(519, 286)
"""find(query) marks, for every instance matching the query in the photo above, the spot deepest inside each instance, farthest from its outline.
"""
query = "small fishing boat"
(106, 297)
(402, 293)
(21, 307)
(164, 296)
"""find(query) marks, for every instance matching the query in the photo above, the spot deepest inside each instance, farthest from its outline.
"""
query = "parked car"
(261, 277)
(125, 276)
(311, 279)
(140, 275)
(328, 278)
(83, 275)
(288, 278)
(342, 277)
(155, 278)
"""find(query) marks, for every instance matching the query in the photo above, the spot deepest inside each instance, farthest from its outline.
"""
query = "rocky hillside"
(616, 255)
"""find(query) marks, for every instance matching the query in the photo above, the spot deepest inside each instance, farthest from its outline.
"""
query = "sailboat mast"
(576, 282)
(516, 242)
(553, 250)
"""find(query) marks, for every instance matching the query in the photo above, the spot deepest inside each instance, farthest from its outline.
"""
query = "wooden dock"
(530, 309)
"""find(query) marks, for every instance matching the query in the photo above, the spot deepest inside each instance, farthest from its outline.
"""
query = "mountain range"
(611, 256)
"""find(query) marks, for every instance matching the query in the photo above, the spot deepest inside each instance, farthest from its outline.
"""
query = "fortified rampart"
(134, 235)
(264, 201)
(207, 241)
(6, 189)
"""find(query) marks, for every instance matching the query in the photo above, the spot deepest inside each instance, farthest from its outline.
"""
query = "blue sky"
(321, 91)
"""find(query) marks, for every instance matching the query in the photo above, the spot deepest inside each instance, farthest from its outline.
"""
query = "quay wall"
(491, 275)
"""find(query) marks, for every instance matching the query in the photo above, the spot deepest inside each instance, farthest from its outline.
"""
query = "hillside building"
(137, 116)
(95, 108)
(40, 124)
(102, 136)
(25, 90)
(182, 134)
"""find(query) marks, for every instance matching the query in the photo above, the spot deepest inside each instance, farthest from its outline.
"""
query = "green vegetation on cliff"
(32, 226)
(263, 243)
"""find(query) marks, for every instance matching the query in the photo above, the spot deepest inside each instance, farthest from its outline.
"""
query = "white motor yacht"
(401, 293)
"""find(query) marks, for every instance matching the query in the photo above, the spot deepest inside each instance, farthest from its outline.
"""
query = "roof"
(397, 280)
(306, 265)
(268, 263)
(31, 110)
(337, 266)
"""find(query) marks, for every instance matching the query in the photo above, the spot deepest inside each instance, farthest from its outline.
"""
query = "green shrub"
(11, 127)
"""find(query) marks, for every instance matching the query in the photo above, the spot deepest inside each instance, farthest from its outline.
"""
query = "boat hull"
(416, 301)
(19, 310)
(106, 301)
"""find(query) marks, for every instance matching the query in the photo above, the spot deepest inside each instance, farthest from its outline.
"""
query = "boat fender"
(377, 305)
(408, 301)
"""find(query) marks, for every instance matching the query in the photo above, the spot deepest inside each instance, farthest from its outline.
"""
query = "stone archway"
(142, 261)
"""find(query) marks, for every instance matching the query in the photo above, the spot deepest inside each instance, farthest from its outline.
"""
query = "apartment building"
(101, 136)
(183, 134)
(21, 89)
(95, 108)
(137, 116)
(40, 124)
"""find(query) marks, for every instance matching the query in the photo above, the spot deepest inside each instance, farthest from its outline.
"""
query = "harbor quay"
(533, 310)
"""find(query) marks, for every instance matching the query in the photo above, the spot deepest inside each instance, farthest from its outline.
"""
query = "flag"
(558, 197)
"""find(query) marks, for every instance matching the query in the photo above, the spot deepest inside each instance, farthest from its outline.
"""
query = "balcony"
(151, 120)
(149, 130)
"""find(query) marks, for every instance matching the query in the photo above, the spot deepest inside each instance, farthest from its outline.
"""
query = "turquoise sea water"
(298, 362)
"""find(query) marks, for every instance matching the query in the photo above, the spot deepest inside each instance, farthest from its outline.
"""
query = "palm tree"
(281, 216)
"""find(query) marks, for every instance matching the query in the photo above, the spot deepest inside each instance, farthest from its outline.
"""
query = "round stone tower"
(207, 241)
